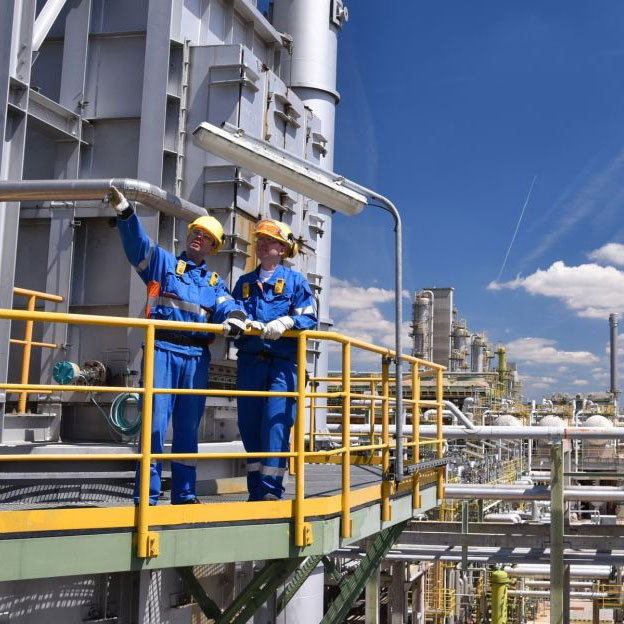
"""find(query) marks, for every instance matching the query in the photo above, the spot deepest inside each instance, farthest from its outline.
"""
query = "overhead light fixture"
(279, 166)
(325, 187)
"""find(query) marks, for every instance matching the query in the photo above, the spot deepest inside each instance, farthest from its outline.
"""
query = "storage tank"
(507, 420)
(596, 421)
(550, 420)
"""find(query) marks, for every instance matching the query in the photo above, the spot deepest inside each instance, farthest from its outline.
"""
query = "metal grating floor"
(78, 491)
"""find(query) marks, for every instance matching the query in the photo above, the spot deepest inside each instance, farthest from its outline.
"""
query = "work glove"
(234, 324)
(121, 205)
(257, 325)
(274, 329)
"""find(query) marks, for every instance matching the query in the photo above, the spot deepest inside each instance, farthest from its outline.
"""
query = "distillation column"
(311, 73)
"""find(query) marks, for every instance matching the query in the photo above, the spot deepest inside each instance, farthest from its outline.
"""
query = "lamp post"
(325, 187)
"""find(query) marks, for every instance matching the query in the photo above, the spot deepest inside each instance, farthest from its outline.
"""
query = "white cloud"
(562, 369)
(543, 351)
(534, 380)
(580, 382)
(611, 253)
(590, 290)
(347, 296)
(355, 312)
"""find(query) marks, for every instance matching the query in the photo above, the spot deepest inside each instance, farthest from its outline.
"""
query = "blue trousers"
(265, 422)
(176, 370)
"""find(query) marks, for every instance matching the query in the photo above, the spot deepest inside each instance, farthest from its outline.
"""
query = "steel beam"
(193, 586)
(351, 586)
(263, 584)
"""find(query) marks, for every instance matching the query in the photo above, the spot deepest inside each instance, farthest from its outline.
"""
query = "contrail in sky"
(513, 238)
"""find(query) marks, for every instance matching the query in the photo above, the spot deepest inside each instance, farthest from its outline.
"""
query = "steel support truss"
(275, 573)
(261, 586)
(351, 586)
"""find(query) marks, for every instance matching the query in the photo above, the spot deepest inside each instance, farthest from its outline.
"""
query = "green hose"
(118, 419)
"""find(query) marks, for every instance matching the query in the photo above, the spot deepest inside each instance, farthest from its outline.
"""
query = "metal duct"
(76, 190)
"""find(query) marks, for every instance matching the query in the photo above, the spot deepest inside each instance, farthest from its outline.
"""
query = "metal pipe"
(536, 492)
(556, 533)
(459, 414)
(388, 206)
(577, 595)
(76, 190)
(484, 432)
(578, 571)
(613, 325)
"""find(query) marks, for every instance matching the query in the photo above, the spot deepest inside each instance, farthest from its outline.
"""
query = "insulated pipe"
(459, 414)
(578, 571)
(537, 492)
(484, 432)
(76, 190)
(577, 595)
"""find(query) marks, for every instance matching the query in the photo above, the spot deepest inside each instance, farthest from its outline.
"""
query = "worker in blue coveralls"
(275, 299)
(183, 289)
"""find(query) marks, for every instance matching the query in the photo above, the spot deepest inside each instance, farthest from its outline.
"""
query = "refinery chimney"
(613, 324)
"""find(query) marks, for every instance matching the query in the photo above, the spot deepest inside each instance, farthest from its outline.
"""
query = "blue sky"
(450, 108)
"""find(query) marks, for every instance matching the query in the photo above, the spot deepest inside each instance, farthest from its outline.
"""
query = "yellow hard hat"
(280, 232)
(212, 227)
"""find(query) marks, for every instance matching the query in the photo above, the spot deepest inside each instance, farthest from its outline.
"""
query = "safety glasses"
(203, 236)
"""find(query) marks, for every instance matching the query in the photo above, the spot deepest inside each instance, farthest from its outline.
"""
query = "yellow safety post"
(371, 436)
(27, 341)
(439, 444)
(415, 435)
(28, 331)
(303, 531)
(346, 440)
(499, 580)
(311, 442)
(147, 544)
(385, 450)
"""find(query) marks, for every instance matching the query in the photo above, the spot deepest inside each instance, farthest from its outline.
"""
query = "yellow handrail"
(27, 343)
(146, 516)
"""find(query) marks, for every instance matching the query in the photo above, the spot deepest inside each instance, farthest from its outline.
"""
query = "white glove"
(116, 199)
(234, 324)
(274, 329)
(257, 325)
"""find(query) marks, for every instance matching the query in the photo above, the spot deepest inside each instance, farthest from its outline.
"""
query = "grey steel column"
(566, 594)
(397, 593)
(556, 533)
(465, 514)
(151, 142)
(371, 599)
(16, 30)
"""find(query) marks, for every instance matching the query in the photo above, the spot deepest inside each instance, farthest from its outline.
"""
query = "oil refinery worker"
(275, 299)
(178, 289)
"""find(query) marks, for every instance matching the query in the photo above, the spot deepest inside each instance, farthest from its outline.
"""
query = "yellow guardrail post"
(311, 434)
(385, 452)
(28, 331)
(346, 440)
(371, 437)
(147, 543)
(415, 435)
(27, 342)
(439, 441)
(303, 530)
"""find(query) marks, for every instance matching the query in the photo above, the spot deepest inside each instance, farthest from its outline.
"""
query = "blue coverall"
(177, 290)
(265, 423)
